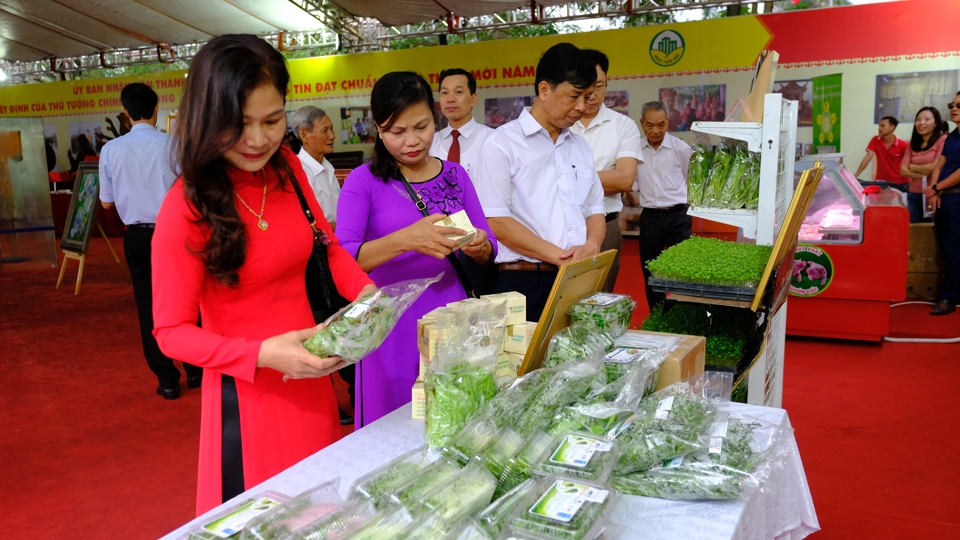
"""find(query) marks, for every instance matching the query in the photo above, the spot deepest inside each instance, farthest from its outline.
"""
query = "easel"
(67, 255)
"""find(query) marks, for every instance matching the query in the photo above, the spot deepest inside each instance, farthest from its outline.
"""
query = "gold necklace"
(260, 221)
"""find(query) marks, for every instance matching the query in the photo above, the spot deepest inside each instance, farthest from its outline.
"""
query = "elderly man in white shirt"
(315, 130)
(537, 182)
(615, 141)
(461, 140)
(662, 183)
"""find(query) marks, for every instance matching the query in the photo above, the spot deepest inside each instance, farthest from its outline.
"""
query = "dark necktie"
(454, 153)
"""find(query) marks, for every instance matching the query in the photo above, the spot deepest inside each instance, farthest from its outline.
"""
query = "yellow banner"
(634, 52)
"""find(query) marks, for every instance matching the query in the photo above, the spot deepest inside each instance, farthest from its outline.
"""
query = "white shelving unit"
(775, 138)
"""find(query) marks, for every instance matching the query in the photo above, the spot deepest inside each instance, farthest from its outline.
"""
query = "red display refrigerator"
(851, 260)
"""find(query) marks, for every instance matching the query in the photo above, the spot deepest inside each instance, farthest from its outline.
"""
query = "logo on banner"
(812, 271)
(667, 48)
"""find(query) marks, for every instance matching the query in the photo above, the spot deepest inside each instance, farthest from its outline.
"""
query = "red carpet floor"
(87, 450)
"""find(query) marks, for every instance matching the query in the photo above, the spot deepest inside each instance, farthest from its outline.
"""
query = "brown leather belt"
(667, 210)
(526, 266)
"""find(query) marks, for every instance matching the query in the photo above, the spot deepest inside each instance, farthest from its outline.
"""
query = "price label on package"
(663, 408)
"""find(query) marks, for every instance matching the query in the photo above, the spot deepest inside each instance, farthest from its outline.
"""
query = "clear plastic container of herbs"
(608, 312)
(566, 509)
(580, 455)
(311, 505)
(380, 483)
(412, 494)
(472, 440)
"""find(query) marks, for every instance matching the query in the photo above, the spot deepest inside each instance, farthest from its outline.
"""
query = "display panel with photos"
(357, 125)
(689, 104)
(499, 111)
(800, 91)
(901, 95)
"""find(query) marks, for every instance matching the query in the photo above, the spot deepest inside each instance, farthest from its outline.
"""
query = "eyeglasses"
(951, 106)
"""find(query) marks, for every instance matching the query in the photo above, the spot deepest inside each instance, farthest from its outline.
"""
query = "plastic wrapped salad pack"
(580, 455)
(606, 311)
(565, 509)
(359, 328)
(379, 484)
(577, 342)
(295, 514)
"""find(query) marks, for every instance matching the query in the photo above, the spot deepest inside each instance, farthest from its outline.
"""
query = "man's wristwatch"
(935, 189)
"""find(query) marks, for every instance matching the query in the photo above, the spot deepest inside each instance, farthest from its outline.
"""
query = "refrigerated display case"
(851, 259)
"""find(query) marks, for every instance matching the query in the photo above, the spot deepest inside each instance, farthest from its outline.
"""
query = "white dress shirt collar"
(312, 166)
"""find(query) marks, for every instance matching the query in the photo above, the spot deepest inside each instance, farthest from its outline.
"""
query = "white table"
(783, 510)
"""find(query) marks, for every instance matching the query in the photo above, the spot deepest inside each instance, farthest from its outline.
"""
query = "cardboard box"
(428, 335)
(459, 220)
(685, 361)
(507, 366)
(424, 362)
(518, 337)
(516, 306)
(418, 401)
(923, 255)
(923, 285)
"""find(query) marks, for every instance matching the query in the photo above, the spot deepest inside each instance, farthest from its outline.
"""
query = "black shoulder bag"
(321, 289)
(452, 257)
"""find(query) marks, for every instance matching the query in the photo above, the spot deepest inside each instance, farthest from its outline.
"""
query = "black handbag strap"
(324, 280)
(452, 257)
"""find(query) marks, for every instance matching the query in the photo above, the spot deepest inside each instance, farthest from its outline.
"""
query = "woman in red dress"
(232, 241)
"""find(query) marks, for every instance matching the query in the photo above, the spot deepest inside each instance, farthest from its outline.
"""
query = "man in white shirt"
(615, 141)
(315, 130)
(662, 183)
(461, 140)
(537, 182)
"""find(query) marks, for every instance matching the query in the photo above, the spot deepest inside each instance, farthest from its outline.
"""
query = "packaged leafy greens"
(496, 516)
(712, 262)
(566, 509)
(461, 380)
(735, 177)
(520, 468)
(359, 328)
(380, 483)
(606, 311)
(504, 447)
(698, 173)
(510, 404)
(569, 383)
(747, 192)
(412, 494)
(469, 530)
(580, 455)
(464, 495)
(471, 441)
(295, 514)
(350, 515)
(717, 177)
(231, 522)
(577, 342)
(385, 525)
(605, 408)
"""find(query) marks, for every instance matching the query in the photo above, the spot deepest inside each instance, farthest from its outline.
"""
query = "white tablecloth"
(783, 509)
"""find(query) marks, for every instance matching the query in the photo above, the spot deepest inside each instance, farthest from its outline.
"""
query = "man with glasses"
(615, 141)
(943, 197)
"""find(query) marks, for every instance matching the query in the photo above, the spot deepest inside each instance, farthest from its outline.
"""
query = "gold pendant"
(262, 224)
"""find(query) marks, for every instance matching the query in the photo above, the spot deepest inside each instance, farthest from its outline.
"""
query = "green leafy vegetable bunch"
(455, 395)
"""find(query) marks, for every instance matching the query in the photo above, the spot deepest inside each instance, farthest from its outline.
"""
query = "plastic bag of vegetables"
(717, 177)
(603, 410)
(577, 342)
(698, 173)
(380, 483)
(568, 384)
(751, 185)
(295, 514)
(736, 178)
(359, 328)
(387, 524)
(608, 312)
(462, 379)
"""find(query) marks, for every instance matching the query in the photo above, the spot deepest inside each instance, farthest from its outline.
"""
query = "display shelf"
(751, 132)
(742, 218)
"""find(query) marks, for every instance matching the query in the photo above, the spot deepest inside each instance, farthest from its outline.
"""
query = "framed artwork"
(82, 212)
(171, 123)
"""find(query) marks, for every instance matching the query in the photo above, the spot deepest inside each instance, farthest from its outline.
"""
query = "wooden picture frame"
(171, 123)
(82, 212)
(574, 281)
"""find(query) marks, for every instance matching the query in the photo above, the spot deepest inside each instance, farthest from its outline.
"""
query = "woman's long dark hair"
(916, 140)
(221, 77)
(394, 93)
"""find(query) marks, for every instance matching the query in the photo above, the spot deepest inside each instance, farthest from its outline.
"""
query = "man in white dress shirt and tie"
(460, 141)
(662, 183)
(315, 130)
(537, 182)
(615, 141)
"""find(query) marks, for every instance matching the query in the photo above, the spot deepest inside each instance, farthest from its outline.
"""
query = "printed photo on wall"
(357, 126)
(618, 100)
(689, 104)
(50, 142)
(901, 95)
(499, 111)
(802, 92)
(84, 139)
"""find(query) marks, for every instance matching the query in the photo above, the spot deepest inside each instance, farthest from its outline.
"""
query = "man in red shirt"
(889, 152)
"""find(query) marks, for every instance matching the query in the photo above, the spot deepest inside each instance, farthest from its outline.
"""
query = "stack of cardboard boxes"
(510, 355)
(924, 265)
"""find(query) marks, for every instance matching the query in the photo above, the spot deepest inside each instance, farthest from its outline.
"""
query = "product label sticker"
(564, 499)
(234, 522)
(716, 445)
(663, 408)
(356, 311)
(616, 431)
(719, 429)
(668, 463)
(623, 355)
(577, 451)
(600, 299)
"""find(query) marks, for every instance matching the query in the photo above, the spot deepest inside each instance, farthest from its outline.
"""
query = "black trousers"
(483, 278)
(535, 285)
(658, 231)
(136, 249)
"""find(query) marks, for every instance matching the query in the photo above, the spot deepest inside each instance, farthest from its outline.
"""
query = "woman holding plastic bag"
(379, 222)
(232, 240)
